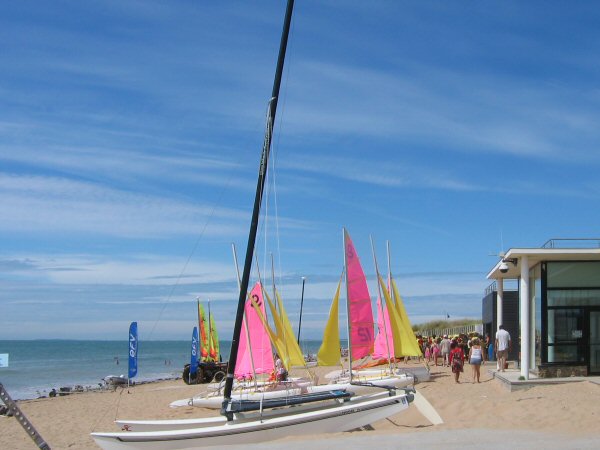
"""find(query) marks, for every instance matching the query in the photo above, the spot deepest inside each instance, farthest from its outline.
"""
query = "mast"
(382, 306)
(389, 261)
(256, 210)
(209, 333)
(245, 321)
(349, 328)
(301, 304)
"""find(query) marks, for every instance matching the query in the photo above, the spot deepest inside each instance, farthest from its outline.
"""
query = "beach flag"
(133, 349)
(194, 355)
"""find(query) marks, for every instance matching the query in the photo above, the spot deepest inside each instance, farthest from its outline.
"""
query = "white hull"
(344, 417)
(254, 384)
(114, 380)
(215, 402)
(214, 397)
(375, 378)
(182, 424)
(367, 373)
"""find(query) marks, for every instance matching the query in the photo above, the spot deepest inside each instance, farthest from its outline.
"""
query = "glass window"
(573, 274)
(564, 353)
(574, 297)
(565, 335)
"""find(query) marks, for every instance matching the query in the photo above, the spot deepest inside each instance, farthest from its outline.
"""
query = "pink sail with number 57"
(360, 312)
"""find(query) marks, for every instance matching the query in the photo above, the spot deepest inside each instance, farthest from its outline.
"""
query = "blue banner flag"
(133, 349)
(194, 358)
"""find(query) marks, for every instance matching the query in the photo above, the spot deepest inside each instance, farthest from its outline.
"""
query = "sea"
(35, 367)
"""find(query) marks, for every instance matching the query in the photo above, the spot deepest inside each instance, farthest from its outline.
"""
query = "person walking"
(435, 349)
(445, 350)
(503, 346)
(457, 357)
(476, 358)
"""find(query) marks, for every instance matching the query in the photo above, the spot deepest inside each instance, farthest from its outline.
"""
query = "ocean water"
(38, 366)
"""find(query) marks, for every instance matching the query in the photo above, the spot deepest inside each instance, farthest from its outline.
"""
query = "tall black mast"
(262, 173)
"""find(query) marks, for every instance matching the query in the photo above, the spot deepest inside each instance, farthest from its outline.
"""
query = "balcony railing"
(572, 243)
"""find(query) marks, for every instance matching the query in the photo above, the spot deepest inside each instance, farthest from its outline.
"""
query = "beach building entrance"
(558, 304)
(594, 356)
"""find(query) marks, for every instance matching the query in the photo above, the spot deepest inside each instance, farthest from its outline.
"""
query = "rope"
(106, 410)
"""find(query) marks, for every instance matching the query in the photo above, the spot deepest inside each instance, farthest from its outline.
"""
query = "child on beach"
(427, 352)
(435, 349)
(457, 357)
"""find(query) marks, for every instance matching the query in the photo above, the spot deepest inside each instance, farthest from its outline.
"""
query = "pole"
(382, 309)
(301, 303)
(264, 160)
(246, 331)
(348, 308)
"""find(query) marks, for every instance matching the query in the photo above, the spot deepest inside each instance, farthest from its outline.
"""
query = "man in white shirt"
(503, 346)
(445, 350)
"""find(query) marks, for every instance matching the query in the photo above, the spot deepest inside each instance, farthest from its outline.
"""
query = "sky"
(130, 137)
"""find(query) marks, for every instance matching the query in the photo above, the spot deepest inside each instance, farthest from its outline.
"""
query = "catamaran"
(333, 411)
(255, 359)
(362, 344)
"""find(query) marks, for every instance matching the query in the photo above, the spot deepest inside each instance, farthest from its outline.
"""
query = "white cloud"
(49, 204)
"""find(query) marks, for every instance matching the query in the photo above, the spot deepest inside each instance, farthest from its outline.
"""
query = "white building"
(559, 306)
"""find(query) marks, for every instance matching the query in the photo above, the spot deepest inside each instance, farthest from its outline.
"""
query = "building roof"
(537, 255)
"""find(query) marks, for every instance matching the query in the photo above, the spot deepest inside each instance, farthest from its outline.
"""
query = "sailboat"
(205, 366)
(255, 359)
(333, 411)
(360, 331)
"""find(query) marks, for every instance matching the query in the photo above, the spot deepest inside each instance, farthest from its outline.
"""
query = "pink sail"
(359, 304)
(261, 357)
(385, 337)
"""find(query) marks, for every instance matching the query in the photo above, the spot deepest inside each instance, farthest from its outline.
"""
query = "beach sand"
(485, 414)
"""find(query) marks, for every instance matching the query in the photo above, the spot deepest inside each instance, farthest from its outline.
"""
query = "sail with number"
(323, 412)
(259, 358)
(360, 312)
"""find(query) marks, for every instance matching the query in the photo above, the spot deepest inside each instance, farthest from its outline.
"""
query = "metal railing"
(453, 331)
(572, 243)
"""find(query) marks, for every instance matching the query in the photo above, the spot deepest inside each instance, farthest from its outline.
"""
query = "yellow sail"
(395, 322)
(275, 316)
(293, 349)
(329, 352)
(405, 342)
(275, 340)
(286, 345)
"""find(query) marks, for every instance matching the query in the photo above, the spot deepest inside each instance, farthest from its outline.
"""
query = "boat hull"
(344, 417)
(212, 401)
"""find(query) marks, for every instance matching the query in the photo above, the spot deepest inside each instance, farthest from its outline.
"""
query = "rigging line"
(264, 215)
(274, 150)
(187, 262)
(102, 415)
(282, 123)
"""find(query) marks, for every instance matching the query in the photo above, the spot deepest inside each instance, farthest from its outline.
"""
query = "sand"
(485, 414)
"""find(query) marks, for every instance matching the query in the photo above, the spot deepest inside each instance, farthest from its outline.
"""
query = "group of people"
(474, 348)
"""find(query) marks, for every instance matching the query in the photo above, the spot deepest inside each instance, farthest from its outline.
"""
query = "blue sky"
(130, 135)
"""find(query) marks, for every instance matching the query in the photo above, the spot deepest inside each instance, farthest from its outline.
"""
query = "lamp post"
(301, 303)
